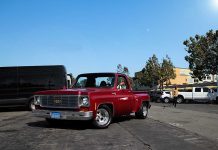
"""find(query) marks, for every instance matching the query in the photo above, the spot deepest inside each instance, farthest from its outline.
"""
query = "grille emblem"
(57, 101)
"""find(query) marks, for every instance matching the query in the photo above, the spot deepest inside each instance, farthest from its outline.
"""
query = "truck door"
(201, 94)
(197, 93)
(205, 94)
(124, 96)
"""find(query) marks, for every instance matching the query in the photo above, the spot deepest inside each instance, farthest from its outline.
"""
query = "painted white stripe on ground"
(183, 136)
(191, 139)
(176, 124)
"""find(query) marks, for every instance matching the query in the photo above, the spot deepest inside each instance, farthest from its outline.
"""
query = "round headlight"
(84, 101)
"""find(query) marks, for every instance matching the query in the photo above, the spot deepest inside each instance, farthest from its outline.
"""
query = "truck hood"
(76, 91)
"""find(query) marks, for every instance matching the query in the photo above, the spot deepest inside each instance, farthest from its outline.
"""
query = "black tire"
(31, 105)
(143, 112)
(103, 117)
(166, 100)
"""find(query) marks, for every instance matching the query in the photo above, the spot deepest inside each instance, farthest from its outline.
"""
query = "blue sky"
(97, 35)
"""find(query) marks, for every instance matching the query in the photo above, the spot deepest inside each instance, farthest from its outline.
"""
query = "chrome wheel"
(103, 117)
(145, 111)
(142, 113)
(31, 105)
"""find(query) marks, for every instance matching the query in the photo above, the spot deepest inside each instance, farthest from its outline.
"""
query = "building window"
(208, 77)
(196, 80)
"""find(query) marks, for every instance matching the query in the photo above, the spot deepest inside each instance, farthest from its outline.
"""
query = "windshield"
(95, 81)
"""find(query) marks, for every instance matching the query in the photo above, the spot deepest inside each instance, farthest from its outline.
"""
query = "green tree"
(124, 70)
(155, 73)
(166, 71)
(202, 54)
(152, 71)
(149, 75)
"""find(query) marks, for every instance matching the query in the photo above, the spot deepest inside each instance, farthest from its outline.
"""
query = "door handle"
(124, 98)
(114, 93)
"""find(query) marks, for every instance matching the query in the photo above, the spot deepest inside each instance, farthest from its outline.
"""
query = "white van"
(197, 94)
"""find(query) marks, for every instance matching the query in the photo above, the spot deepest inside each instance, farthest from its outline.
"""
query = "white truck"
(196, 94)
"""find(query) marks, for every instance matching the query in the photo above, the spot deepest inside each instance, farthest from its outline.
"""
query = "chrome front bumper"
(65, 115)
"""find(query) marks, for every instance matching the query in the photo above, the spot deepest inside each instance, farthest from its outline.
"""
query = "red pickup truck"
(94, 96)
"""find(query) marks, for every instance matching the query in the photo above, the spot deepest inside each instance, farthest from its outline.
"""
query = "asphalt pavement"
(200, 122)
(203, 107)
(20, 130)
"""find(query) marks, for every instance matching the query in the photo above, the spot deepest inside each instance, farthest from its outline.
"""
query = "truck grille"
(59, 101)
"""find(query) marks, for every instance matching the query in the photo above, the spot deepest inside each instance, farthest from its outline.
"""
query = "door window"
(205, 90)
(197, 89)
(95, 81)
(122, 83)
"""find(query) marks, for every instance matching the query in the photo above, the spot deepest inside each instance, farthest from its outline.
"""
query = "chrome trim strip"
(65, 115)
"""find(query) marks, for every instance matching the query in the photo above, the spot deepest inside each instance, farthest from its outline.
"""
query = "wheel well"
(29, 102)
(30, 99)
(180, 96)
(146, 103)
(109, 105)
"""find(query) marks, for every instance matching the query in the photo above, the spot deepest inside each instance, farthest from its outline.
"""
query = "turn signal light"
(84, 109)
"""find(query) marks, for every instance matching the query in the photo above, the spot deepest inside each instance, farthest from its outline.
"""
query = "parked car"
(155, 96)
(196, 94)
(160, 96)
(166, 96)
(17, 84)
(95, 96)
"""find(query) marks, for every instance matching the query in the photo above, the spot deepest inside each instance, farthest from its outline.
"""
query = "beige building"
(183, 76)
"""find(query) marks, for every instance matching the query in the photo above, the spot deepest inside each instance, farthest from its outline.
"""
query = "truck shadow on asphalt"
(13, 109)
(62, 124)
(74, 125)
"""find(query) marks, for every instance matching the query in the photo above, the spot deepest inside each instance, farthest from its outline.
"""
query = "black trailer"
(17, 84)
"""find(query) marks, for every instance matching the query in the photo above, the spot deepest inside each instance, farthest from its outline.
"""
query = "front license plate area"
(55, 115)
